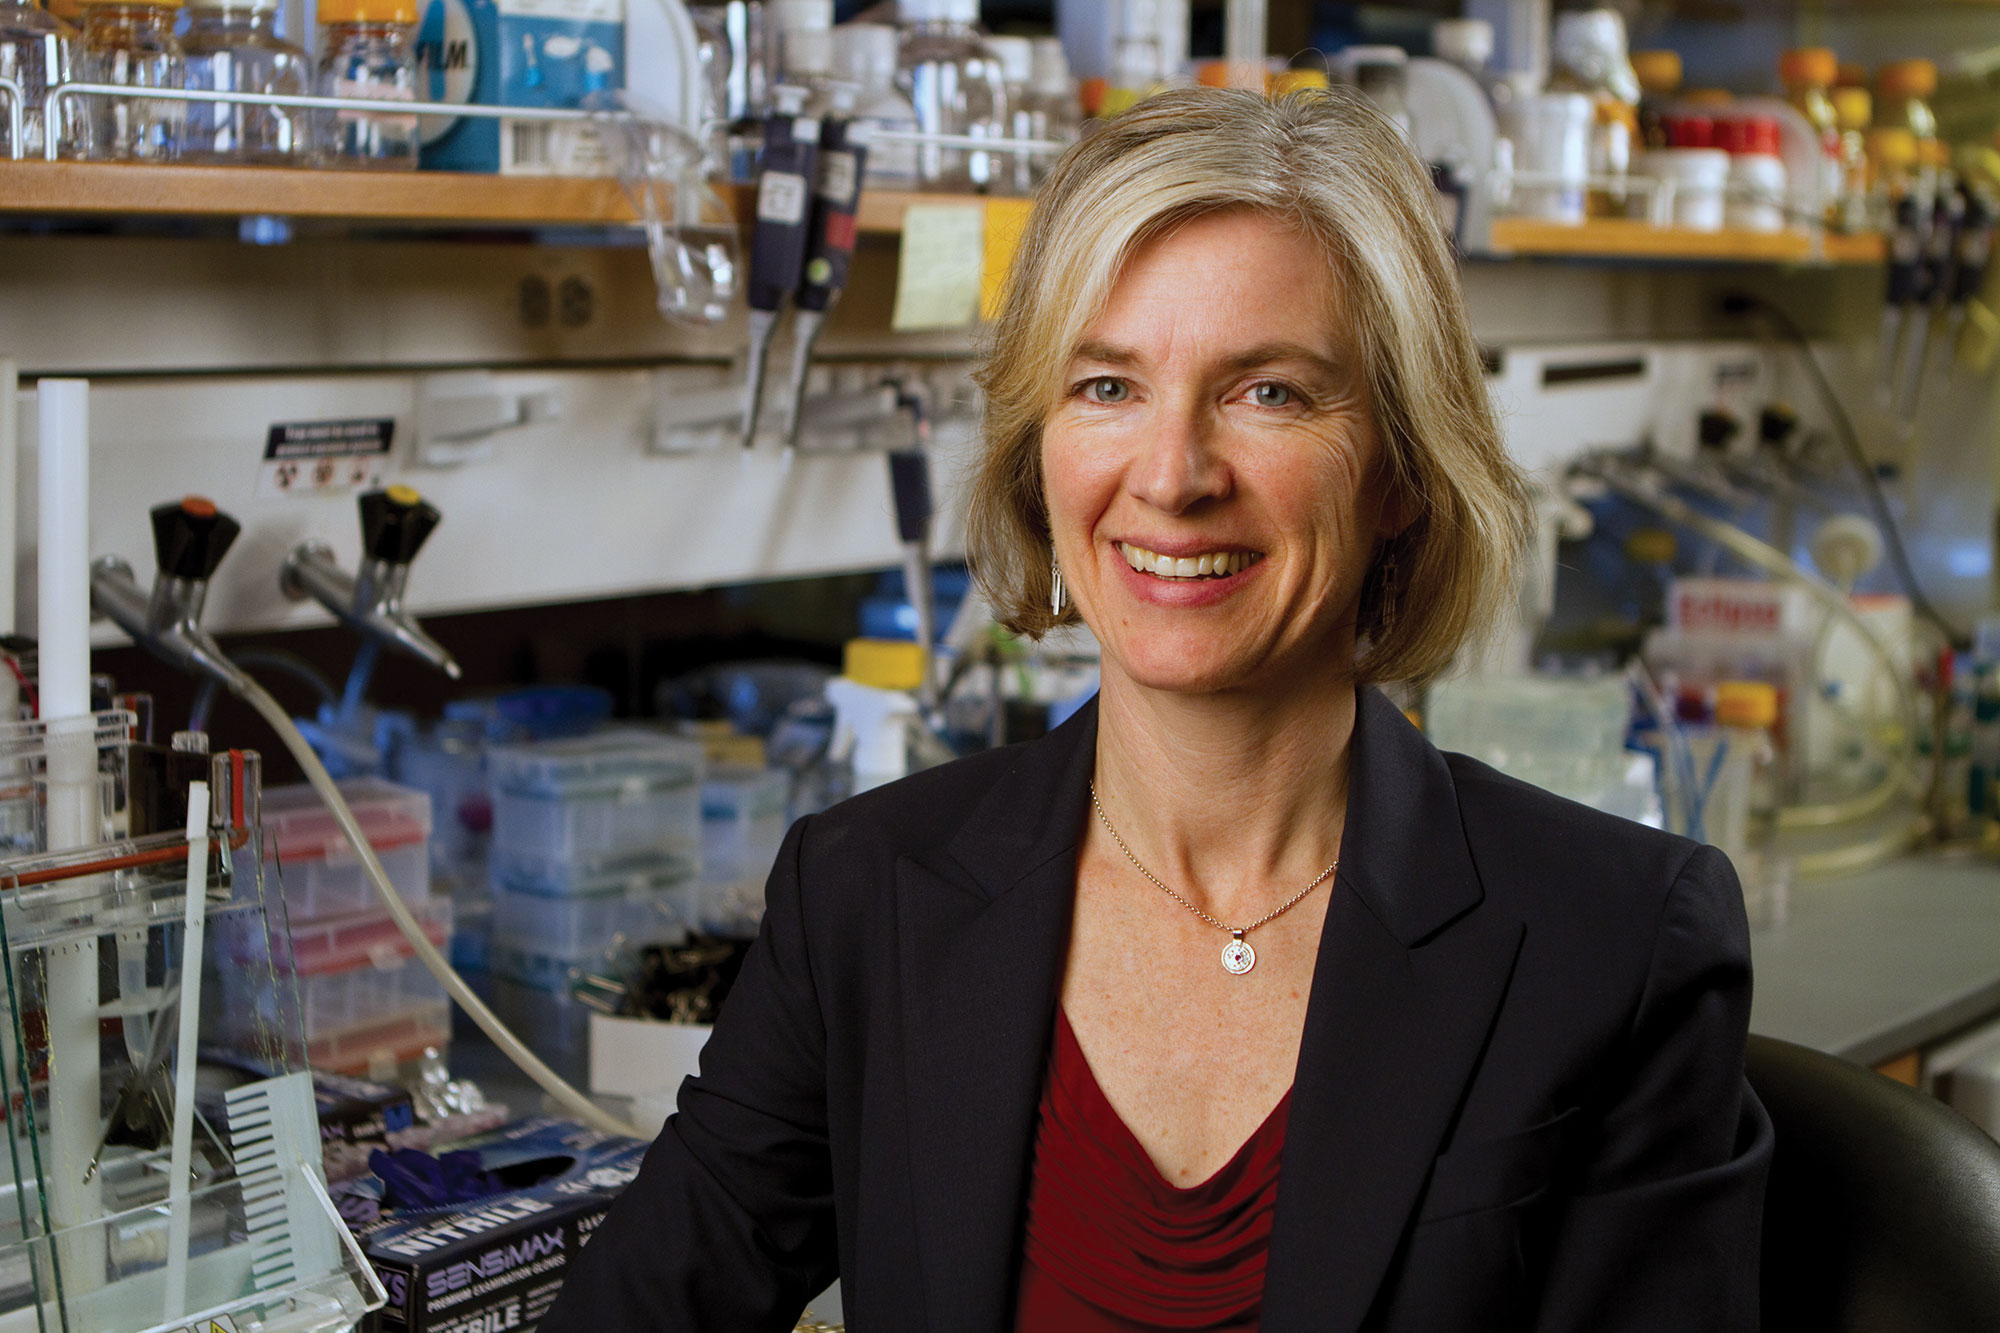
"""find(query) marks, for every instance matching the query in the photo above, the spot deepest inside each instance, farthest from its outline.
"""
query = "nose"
(1179, 466)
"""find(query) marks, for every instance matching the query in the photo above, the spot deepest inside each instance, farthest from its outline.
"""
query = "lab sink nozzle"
(395, 524)
(190, 537)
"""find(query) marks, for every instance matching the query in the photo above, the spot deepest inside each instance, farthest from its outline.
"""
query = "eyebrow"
(1109, 354)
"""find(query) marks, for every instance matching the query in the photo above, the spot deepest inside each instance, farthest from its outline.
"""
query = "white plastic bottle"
(956, 85)
(864, 54)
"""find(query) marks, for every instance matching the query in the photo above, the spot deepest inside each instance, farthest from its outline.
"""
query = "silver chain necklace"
(1237, 955)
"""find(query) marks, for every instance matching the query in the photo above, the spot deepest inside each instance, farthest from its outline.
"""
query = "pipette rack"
(252, 1241)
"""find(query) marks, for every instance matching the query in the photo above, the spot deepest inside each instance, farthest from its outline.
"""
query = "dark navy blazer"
(1519, 1102)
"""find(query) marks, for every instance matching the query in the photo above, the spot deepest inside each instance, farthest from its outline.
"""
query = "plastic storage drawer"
(555, 1025)
(322, 877)
(597, 800)
(587, 927)
(352, 972)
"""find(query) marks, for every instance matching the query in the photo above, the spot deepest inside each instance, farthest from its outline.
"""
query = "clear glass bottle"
(956, 86)
(1808, 73)
(1017, 68)
(368, 50)
(864, 54)
(233, 46)
(1058, 108)
(35, 51)
(132, 44)
(1855, 111)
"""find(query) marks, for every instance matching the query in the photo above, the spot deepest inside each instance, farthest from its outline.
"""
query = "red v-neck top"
(1112, 1247)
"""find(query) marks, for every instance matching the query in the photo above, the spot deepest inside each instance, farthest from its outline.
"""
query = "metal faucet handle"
(190, 537)
(395, 523)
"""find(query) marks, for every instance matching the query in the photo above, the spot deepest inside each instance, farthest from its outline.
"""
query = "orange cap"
(1708, 97)
(197, 506)
(1091, 94)
(1212, 74)
(1804, 66)
(1746, 703)
(1659, 71)
(1906, 78)
(368, 11)
(164, 4)
(1853, 107)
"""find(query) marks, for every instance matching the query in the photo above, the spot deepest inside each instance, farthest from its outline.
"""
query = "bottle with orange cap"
(1807, 73)
(1903, 89)
(132, 42)
(367, 49)
(1747, 794)
(1853, 111)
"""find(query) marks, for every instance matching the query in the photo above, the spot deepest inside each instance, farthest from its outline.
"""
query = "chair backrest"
(1883, 1212)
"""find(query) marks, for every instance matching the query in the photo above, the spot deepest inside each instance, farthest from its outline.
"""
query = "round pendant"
(1238, 957)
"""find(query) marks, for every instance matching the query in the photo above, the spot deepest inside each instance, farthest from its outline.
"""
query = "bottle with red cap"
(1808, 73)
(1757, 177)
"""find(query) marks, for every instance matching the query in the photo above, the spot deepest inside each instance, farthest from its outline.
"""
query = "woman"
(1231, 1003)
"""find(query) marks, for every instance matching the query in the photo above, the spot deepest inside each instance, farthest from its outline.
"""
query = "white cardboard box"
(642, 1057)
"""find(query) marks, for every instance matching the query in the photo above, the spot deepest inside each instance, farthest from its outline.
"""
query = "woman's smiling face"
(1216, 484)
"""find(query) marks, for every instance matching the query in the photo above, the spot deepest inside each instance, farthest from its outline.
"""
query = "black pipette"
(1975, 254)
(843, 159)
(785, 175)
(1906, 263)
(1934, 287)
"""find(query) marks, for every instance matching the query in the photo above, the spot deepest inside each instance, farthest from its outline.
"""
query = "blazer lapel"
(1409, 977)
(980, 949)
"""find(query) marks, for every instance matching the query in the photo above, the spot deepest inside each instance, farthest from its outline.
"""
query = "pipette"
(843, 158)
(1906, 263)
(785, 176)
(1935, 282)
(1975, 254)
(910, 487)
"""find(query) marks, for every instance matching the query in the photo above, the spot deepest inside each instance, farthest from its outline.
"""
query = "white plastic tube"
(510, 1045)
(195, 924)
(1245, 42)
(62, 628)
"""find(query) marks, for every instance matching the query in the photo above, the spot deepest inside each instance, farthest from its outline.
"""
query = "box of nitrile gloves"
(528, 53)
(496, 1263)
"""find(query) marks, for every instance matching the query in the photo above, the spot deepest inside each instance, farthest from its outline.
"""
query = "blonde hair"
(1331, 165)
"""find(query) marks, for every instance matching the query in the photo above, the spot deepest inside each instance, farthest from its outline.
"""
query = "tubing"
(322, 782)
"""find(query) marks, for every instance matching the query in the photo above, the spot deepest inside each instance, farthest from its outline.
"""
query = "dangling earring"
(1387, 615)
(1056, 596)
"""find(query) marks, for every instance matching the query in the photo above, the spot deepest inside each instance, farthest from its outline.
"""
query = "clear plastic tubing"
(35, 51)
(234, 47)
(134, 45)
(956, 86)
(368, 50)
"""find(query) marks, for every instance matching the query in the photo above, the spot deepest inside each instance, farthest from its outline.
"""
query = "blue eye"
(1269, 394)
(1107, 391)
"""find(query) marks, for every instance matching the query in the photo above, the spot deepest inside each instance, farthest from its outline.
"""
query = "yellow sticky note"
(938, 269)
(1006, 224)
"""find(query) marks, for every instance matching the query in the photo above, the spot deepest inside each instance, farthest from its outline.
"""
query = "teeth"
(1219, 564)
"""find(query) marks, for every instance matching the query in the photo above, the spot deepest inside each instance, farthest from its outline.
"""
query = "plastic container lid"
(1906, 78)
(1892, 146)
(1853, 108)
(368, 11)
(562, 877)
(1707, 97)
(866, 52)
(1463, 41)
(609, 763)
(1651, 546)
(1746, 703)
(1690, 132)
(1752, 136)
(1017, 58)
(790, 16)
(298, 828)
(1659, 71)
(938, 11)
(886, 664)
(1804, 66)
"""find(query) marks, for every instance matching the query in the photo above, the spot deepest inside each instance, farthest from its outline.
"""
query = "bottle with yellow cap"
(368, 50)
(1807, 73)
(1746, 790)
(132, 42)
(1853, 111)
(233, 46)
(1903, 89)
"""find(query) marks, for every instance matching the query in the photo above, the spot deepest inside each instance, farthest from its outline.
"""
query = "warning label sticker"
(319, 457)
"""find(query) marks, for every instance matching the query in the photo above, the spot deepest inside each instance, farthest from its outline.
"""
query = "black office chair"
(1883, 1214)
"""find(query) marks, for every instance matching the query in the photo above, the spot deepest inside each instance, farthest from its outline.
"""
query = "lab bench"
(1878, 965)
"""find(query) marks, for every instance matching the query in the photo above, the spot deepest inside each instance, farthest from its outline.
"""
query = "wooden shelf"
(1622, 238)
(414, 198)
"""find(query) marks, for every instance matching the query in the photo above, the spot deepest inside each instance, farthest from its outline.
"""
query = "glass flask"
(368, 50)
(235, 47)
(131, 44)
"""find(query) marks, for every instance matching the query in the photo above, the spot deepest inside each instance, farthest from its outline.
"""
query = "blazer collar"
(1408, 978)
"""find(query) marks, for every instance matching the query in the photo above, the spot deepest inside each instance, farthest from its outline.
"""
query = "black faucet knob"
(395, 524)
(190, 536)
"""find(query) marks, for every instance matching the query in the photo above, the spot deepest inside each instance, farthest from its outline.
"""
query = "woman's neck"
(1228, 797)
